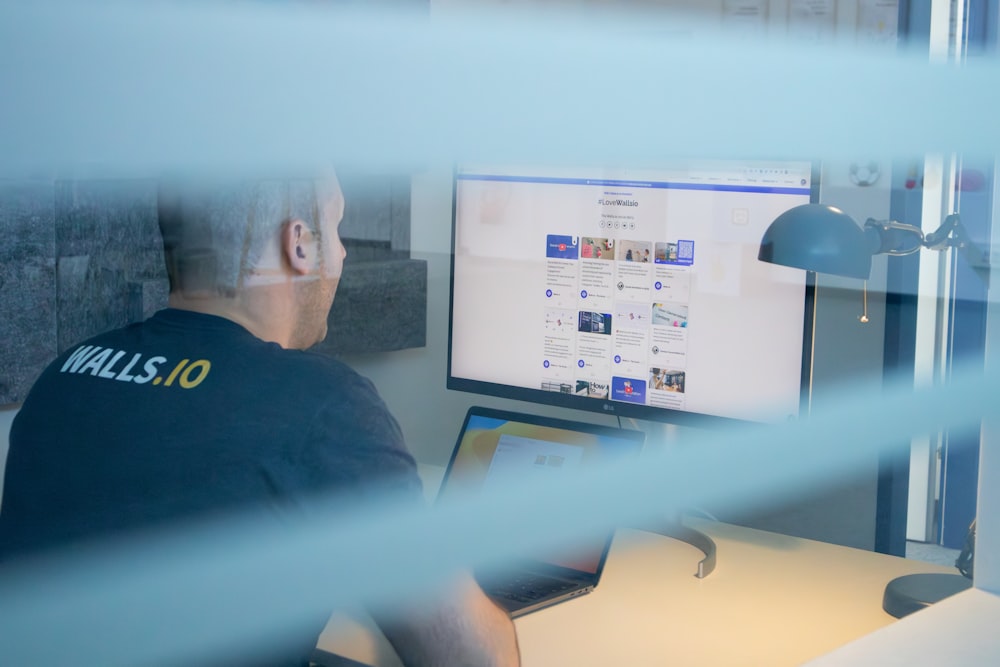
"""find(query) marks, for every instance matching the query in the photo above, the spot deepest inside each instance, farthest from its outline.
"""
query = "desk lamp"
(824, 239)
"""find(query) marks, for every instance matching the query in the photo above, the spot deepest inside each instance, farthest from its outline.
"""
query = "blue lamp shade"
(818, 238)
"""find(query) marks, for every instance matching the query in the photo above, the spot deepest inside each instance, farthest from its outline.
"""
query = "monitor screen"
(631, 292)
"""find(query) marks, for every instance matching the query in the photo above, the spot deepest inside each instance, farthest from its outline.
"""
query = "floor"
(931, 553)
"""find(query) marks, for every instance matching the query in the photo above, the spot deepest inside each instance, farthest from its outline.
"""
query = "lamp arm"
(890, 237)
(951, 233)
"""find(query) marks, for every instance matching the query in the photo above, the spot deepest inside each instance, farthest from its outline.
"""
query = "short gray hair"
(214, 232)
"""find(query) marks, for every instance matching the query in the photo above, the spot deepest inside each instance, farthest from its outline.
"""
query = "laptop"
(497, 446)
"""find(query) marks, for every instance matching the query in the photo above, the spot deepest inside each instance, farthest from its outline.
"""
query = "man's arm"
(462, 628)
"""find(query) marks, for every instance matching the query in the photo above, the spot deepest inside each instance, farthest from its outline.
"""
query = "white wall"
(987, 563)
(412, 381)
(847, 22)
(845, 349)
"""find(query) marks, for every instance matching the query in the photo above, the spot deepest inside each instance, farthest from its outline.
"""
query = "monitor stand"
(674, 527)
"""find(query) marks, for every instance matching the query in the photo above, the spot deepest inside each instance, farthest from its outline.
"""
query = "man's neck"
(253, 314)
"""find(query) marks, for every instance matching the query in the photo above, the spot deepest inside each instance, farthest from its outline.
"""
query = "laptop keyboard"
(528, 588)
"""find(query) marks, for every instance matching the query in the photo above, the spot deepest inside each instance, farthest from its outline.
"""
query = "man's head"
(265, 253)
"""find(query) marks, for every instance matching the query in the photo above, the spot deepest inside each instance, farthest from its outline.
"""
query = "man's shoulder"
(208, 346)
(316, 366)
(88, 348)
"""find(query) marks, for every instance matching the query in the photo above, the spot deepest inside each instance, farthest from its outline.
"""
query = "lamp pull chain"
(864, 315)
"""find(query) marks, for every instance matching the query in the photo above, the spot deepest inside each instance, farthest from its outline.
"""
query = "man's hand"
(463, 627)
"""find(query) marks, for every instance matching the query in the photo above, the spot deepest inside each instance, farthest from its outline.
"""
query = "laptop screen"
(496, 447)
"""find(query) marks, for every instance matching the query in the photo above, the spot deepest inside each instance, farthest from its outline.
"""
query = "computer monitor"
(633, 292)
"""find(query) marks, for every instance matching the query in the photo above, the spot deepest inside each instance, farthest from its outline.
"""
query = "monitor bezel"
(620, 408)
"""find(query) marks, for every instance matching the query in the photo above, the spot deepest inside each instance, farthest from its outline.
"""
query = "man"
(213, 406)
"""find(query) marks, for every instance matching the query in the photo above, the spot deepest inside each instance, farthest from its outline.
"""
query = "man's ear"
(296, 246)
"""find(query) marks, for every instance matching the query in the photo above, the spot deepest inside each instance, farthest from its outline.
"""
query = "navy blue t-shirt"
(190, 415)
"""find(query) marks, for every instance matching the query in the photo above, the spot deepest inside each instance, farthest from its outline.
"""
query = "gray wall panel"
(27, 285)
(81, 257)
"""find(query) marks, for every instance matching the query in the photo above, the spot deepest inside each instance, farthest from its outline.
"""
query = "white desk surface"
(772, 600)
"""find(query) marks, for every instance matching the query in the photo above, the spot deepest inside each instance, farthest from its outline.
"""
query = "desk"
(772, 600)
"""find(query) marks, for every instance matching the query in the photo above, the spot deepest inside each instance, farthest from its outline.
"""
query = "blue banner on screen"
(561, 247)
(629, 390)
